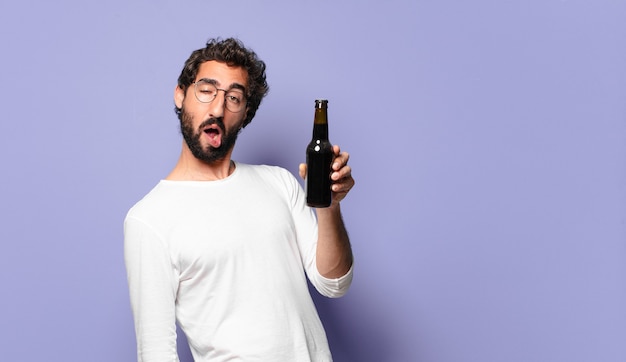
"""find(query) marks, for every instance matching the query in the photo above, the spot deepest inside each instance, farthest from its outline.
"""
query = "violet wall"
(488, 141)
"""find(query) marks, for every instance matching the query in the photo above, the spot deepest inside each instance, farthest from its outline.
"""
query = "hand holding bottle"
(341, 174)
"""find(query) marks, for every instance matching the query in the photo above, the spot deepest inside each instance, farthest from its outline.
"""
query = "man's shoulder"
(265, 170)
(148, 202)
(272, 179)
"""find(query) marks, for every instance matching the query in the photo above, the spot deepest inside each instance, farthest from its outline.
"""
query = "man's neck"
(189, 168)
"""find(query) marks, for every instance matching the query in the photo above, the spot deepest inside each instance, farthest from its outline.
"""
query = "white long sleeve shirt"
(227, 259)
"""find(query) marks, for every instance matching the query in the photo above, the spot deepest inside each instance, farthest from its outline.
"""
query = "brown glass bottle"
(319, 156)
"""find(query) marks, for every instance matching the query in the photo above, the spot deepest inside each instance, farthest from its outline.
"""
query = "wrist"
(332, 212)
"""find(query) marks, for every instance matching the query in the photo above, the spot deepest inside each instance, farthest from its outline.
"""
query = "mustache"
(211, 121)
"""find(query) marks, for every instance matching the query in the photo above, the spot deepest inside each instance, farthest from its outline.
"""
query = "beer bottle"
(319, 156)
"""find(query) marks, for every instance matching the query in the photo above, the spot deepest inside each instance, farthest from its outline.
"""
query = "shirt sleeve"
(152, 288)
(332, 288)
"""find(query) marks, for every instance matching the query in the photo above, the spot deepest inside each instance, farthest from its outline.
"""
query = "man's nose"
(216, 107)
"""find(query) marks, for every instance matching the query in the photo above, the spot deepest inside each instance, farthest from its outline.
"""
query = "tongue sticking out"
(214, 136)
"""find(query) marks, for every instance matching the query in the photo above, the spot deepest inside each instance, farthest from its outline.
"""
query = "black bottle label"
(319, 156)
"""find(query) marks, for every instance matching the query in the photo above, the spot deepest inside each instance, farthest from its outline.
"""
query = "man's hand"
(341, 175)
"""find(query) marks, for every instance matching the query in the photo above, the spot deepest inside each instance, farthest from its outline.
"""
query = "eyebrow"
(237, 86)
(217, 84)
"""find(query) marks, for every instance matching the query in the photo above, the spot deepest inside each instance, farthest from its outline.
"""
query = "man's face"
(210, 129)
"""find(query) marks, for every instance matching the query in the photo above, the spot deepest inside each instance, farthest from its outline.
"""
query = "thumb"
(302, 170)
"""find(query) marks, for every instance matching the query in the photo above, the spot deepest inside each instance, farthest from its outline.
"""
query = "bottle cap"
(321, 103)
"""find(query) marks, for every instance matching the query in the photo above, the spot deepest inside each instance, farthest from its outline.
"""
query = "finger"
(343, 186)
(340, 161)
(344, 172)
(302, 170)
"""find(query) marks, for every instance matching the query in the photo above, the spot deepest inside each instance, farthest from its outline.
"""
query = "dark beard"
(209, 154)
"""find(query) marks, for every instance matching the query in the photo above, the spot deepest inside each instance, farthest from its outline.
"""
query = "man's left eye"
(234, 98)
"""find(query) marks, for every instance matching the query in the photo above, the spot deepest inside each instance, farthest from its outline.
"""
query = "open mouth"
(214, 135)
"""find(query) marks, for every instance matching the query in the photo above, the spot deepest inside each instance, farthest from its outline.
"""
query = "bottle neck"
(320, 124)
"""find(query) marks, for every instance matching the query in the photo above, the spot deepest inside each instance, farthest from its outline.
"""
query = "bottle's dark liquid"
(319, 156)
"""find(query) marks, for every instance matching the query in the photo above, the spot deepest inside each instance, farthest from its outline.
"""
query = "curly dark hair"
(232, 52)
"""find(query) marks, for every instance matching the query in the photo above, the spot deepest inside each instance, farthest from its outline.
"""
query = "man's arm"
(334, 253)
(152, 288)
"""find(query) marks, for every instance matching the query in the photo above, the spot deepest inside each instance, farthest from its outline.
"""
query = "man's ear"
(179, 96)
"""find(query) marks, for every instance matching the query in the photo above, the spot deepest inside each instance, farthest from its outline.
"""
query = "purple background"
(488, 141)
